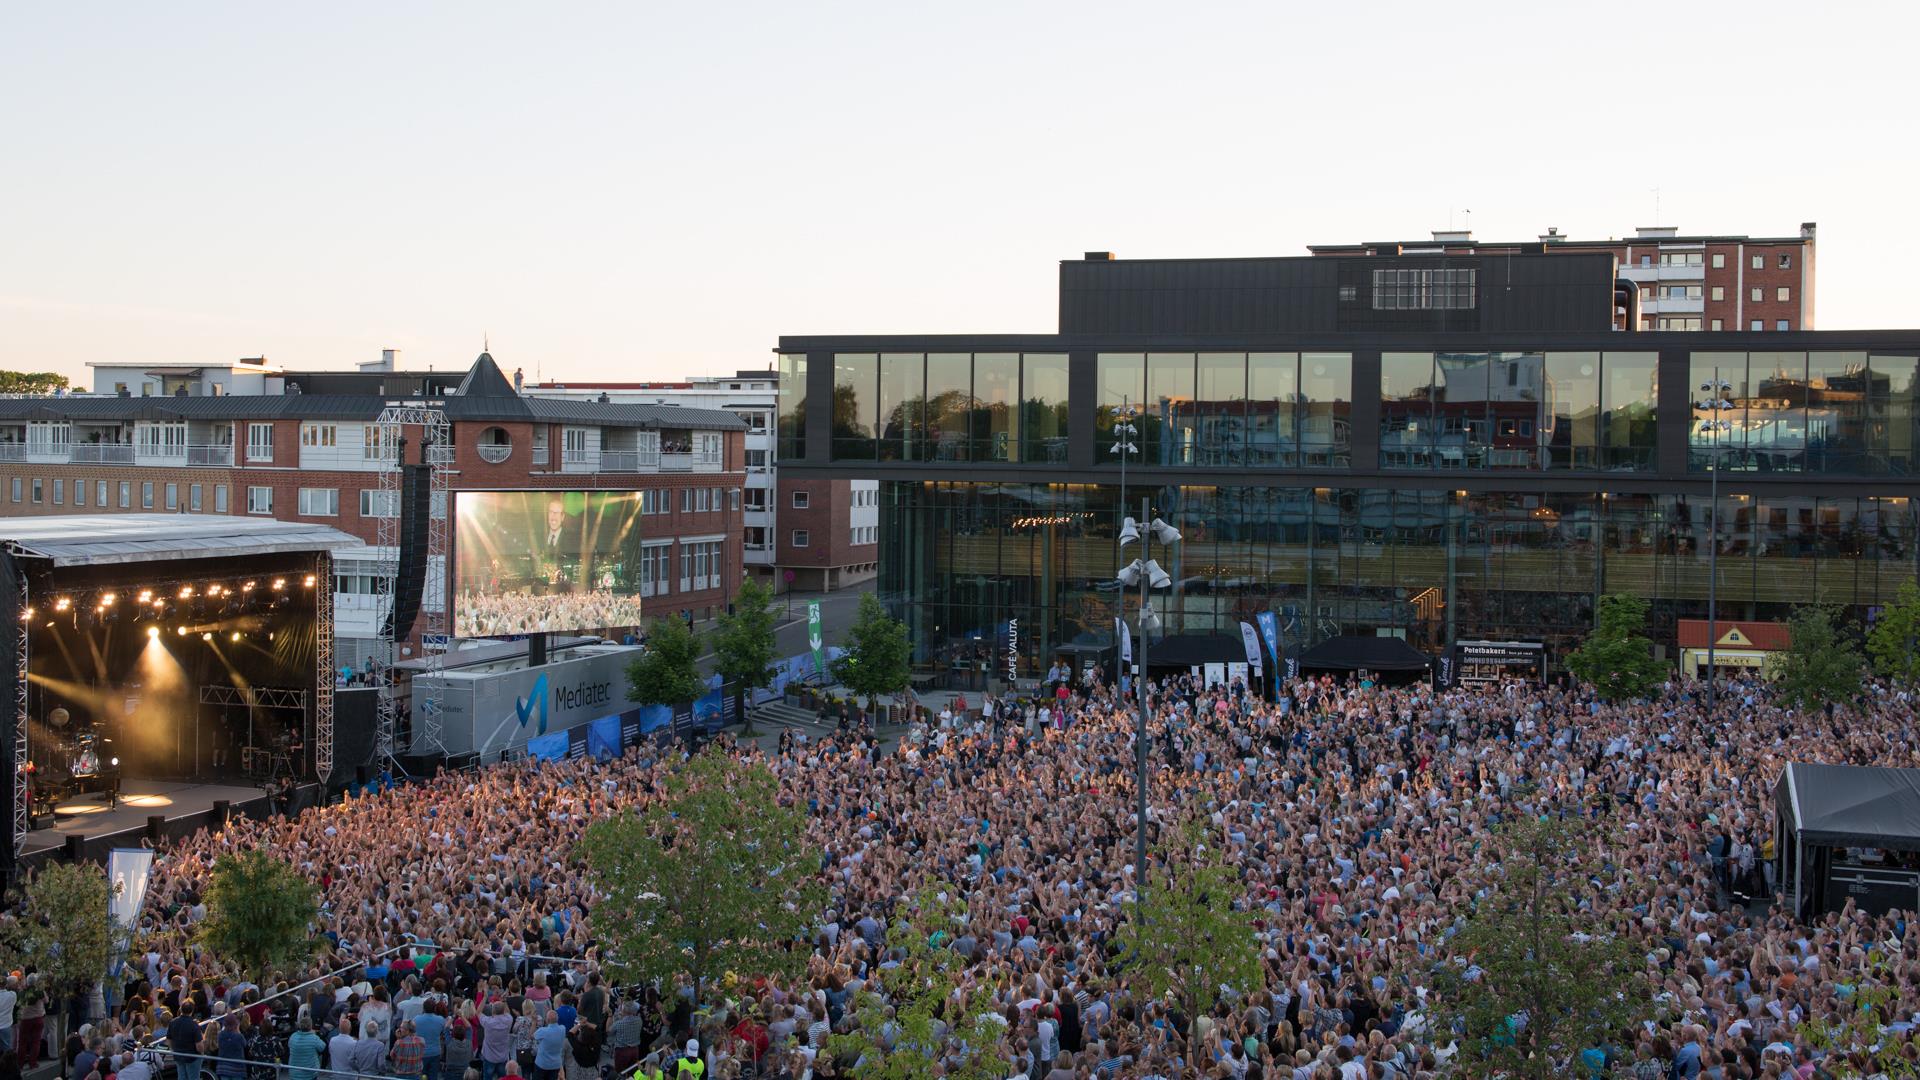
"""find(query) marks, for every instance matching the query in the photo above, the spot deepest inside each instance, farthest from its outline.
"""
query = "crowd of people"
(494, 614)
(1357, 819)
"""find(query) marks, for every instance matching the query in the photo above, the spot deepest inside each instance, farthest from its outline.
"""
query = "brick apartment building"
(1681, 282)
(824, 533)
(249, 438)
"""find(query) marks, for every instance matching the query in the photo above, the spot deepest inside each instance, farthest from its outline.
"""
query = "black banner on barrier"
(577, 741)
(629, 729)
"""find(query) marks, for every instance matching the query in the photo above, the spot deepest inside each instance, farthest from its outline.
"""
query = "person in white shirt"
(9, 997)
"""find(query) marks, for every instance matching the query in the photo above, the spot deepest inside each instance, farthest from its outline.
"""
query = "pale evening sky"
(628, 191)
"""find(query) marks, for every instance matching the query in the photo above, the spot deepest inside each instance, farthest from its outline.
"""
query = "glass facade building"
(1454, 485)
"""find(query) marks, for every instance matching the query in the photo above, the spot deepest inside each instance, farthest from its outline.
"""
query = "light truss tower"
(435, 435)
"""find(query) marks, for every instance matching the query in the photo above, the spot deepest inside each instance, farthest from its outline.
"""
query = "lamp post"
(1714, 403)
(1148, 575)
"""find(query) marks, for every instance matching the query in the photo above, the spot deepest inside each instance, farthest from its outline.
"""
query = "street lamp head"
(1149, 620)
(1129, 531)
(1164, 533)
(1156, 577)
(1129, 574)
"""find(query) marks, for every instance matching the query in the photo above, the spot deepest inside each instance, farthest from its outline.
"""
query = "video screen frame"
(545, 560)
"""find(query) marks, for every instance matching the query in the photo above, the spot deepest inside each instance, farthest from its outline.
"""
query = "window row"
(950, 407)
(152, 496)
(1828, 412)
(1225, 408)
(1515, 410)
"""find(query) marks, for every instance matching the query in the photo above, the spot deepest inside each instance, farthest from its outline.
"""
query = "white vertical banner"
(1126, 642)
(1252, 642)
(128, 871)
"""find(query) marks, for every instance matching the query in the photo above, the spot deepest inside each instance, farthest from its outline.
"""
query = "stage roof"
(1852, 805)
(103, 539)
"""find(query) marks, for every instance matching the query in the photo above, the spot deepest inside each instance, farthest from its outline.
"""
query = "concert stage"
(182, 659)
(184, 808)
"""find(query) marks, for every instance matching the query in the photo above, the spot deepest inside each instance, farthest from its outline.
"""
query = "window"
(801, 500)
(194, 497)
(1716, 325)
(1782, 293)
(1757, 293)
(1681, 258)
(733, 499)
(162, 440)
(1719, 292)
(259, 442)
(259, 500)
(126, 495)
(1680, 323)
(318, 435)
(146, 495)
(17, 484)
(60, 492)
(1780, 324)
(710, 448)
(173, 496)
(1646, 260)
(39, 490)
(1719, 260)
(100, 494)
(1759, 262)
(1646, 293)
(655, 567)
(1757, 325)
(1679, 292)
(756, 537)
(573, 446)
(378, 442)
(79, 493)
(1349, 293)
(756, 459)
(800, 538)
(1786, 262)
(757, 499)
(321, 502)
(375, 503)
(1423, 290)
(219, 498)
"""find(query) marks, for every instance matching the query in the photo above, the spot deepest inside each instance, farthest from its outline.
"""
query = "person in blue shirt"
(431, 1026)
(549, 1043)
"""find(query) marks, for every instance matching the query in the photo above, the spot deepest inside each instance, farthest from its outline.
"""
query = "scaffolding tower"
(437, 452)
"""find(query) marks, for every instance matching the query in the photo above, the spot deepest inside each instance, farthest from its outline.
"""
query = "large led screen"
(527, 562)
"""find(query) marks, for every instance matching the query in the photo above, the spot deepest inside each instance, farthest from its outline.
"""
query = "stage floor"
(88, 815)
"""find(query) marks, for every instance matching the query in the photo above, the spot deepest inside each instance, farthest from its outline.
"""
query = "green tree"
(1541, 979)
(743, 645)
(667, 672)
(31, 382)
(260, 913)
(1820, 664)
(64, 931)
(1617, 659)
(715, 876)
(1894, 642)
(1183, 934)
(878, 661)
(1857, 1035)
(900, 1035)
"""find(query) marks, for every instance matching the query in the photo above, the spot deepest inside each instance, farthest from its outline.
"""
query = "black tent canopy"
(1821, 811)
(1851, 805)
(1352, 652)
(1193, 650)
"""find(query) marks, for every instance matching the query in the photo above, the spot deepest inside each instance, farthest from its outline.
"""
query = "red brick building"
(307, 447)
(1684, 282)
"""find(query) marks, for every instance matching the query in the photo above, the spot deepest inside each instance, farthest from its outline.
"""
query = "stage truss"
(436, 438)
(323, 666)
(21, 802)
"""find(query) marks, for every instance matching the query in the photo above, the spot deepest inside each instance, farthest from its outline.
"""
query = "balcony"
(1648, 274)
(1673, 305)
(689, 462)
(103, 454)
(13, 451)
(626, 461)
(215, 455)
(494, 453)
(539, 455)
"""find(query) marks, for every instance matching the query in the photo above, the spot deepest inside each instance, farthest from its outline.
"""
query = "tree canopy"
(1820, 665)
(1617, 657)
(1183, 933)
(878, 660)
(260, 913)
(714, 876)
(64, 931)
(667, 671)
(31, 382)
(743, 644)
(1545, 978)
(1894, 641)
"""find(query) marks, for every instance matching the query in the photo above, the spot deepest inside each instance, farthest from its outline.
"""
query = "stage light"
(279, 584)
(213, 590)
(62, 604)
(236, 636)
(115, 762)
(186, 591)
(248, 587)
(207, 636)
(108, 600)
(26, 615)
(159, 604)
(309, 582)
(146, 595)
(181, 630)
(153, 631)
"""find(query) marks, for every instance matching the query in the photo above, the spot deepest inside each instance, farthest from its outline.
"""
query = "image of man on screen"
(557, 554)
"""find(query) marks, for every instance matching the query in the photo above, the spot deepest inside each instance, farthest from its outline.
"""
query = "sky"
(647, 191)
